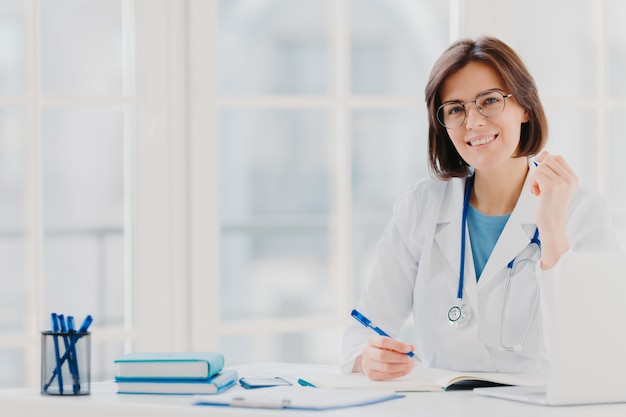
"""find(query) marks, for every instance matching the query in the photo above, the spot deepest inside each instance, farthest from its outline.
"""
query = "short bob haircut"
(445, 162)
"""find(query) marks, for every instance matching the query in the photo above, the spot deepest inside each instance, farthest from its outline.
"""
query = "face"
(484, 143)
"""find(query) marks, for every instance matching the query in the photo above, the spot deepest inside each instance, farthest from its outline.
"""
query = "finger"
(555, 165)
(379, 371)
(390, 344)
(385, 376)
(553, 171)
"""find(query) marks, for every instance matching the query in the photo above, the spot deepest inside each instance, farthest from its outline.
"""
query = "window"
(65, 108)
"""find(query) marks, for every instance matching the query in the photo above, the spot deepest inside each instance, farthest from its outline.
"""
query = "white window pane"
(83, 212)
(12, 47)
(615, 153)
(274, 163)
(321, 346)
(616, 182)
(572, 134)
(275, 47)
(12, 364)
(103, 355)
(560, 50)
(81, 44)
(389, 151)
(394, 43)
(275, 199)
(13, 163)
(616, 48)
(276, 274)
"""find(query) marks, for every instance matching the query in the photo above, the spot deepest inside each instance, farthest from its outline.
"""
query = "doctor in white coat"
(473, 253)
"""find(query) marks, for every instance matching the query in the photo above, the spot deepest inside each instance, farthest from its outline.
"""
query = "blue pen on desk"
(367, 323)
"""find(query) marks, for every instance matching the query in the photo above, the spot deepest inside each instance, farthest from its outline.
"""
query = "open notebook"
(588, 363)
(424, 379)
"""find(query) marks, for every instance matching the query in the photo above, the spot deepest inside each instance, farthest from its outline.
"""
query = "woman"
(498, 206)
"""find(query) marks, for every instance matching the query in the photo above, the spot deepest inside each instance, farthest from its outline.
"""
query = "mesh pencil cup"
(65, 363)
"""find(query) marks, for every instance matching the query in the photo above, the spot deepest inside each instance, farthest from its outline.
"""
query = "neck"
(496, 192)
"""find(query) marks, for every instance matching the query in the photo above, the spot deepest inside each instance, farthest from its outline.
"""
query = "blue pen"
(367, 323)
(72, 361)
(59, 362)
(86, 323)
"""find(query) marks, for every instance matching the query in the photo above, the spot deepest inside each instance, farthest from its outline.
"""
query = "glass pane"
(616, 150)
(13, 50)
(389, 151)
(82, 47)
(13, 163)
(616, 48)
(394, 44)
(83, 202)
(275, 198)
(12, 364)
(564, 65)
(323, 347)
(274, 274)
(103, 354)
(274, 164)
(275, 47)
(570, 130)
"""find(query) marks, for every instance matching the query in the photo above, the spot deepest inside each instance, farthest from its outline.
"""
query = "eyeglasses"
(489, 103)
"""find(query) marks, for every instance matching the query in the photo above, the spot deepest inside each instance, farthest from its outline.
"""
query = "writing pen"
(73, 359)
(368, 323)
(57, 354)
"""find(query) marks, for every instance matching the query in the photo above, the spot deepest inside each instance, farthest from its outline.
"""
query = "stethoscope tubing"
(455, 317)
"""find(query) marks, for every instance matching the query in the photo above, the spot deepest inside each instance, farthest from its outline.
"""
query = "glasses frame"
(504, 97)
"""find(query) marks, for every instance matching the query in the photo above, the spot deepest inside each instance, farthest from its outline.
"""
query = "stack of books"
(173, 373)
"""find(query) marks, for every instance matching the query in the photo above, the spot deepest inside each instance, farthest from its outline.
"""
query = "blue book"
(213, 385)
(169, 365)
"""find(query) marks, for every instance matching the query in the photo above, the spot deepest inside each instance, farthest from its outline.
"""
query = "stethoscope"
(460, 315)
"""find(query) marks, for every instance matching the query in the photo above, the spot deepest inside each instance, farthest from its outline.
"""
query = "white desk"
(105, 402)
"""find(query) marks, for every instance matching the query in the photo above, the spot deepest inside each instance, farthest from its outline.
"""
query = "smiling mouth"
(482, 141)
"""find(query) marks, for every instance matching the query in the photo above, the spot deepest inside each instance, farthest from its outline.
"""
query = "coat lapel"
(515, 236)
(448, 230)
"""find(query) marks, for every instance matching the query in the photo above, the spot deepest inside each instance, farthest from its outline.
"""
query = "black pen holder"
(65, 363)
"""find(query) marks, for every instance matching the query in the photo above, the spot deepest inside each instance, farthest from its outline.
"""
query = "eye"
(454, 109)
(489, 99)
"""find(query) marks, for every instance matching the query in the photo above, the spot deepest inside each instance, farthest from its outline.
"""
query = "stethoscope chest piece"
(459, 316)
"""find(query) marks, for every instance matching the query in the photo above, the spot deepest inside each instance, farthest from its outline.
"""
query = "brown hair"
(445, 162)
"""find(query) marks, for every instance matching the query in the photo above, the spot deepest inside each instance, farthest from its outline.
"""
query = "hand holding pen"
(383, 357)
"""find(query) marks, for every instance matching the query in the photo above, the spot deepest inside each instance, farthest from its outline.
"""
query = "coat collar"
(515, 236)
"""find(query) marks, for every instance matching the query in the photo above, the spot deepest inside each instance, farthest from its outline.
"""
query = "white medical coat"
(416, 271)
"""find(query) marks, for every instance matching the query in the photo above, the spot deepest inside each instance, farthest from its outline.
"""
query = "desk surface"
(105, 402)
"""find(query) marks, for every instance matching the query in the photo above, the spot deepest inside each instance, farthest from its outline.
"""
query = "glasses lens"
(451, 115)
(490, 103)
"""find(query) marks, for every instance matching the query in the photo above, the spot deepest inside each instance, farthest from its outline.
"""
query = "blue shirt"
(484, 232)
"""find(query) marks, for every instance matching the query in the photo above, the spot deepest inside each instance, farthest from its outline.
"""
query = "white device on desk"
(588, 358)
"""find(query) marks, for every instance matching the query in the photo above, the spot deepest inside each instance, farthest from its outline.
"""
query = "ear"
(525, 117)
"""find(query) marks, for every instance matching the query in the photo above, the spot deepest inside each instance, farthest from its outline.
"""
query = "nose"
(473, 117)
